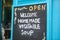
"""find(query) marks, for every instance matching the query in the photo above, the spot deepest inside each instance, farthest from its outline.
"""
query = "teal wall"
(56, 20)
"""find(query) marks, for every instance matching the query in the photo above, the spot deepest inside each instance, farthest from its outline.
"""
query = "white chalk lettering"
(28, 14)
(36, 20)
(29, 26)
(22, 20)
(27, 32)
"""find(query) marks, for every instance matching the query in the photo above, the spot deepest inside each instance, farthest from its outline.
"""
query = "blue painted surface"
(0, 19)
(56, 20)
(53, 17)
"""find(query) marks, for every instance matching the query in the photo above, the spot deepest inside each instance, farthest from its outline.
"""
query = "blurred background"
(6, 19)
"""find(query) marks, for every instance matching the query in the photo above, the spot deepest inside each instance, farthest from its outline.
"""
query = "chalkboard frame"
(49, 17)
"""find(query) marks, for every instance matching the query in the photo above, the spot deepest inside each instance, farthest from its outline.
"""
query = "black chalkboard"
(30, 22)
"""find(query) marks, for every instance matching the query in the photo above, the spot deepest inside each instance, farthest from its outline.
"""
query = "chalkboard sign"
(30, 22)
